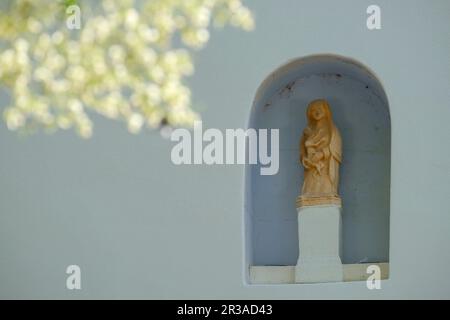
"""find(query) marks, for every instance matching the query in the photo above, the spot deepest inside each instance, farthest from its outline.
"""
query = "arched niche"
(361, 112)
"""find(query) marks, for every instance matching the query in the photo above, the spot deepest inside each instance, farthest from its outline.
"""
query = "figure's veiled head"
(318, 110)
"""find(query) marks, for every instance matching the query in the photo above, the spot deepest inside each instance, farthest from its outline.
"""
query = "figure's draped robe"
(325, 183)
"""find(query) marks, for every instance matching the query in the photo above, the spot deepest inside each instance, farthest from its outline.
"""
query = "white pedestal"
(319, 235)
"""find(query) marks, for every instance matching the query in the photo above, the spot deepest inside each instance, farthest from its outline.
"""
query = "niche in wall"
(361, 112)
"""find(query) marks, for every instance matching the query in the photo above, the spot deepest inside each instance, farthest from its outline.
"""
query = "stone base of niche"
(286, 274)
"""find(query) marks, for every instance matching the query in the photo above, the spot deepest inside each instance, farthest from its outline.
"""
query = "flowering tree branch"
(127, 61)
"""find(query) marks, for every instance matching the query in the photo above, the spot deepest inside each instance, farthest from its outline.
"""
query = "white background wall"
(140, 227)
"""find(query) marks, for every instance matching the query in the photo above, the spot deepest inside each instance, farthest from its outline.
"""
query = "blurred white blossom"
(128, 61)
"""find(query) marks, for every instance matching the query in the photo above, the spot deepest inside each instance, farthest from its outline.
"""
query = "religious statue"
(320, 155)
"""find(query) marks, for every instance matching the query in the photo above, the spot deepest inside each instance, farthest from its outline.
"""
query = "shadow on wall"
(361, 112)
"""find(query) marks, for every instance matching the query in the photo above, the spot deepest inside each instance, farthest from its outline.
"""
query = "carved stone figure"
(320, 155)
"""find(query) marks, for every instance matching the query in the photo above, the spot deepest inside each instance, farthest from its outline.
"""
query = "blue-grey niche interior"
(361, 112)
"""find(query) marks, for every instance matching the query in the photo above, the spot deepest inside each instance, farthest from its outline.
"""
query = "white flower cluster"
(127, 61)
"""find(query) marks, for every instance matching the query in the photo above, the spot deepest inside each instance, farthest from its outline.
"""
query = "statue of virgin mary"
(320, 155)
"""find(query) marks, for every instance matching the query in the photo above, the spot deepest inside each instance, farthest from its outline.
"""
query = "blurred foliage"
(127, 62)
